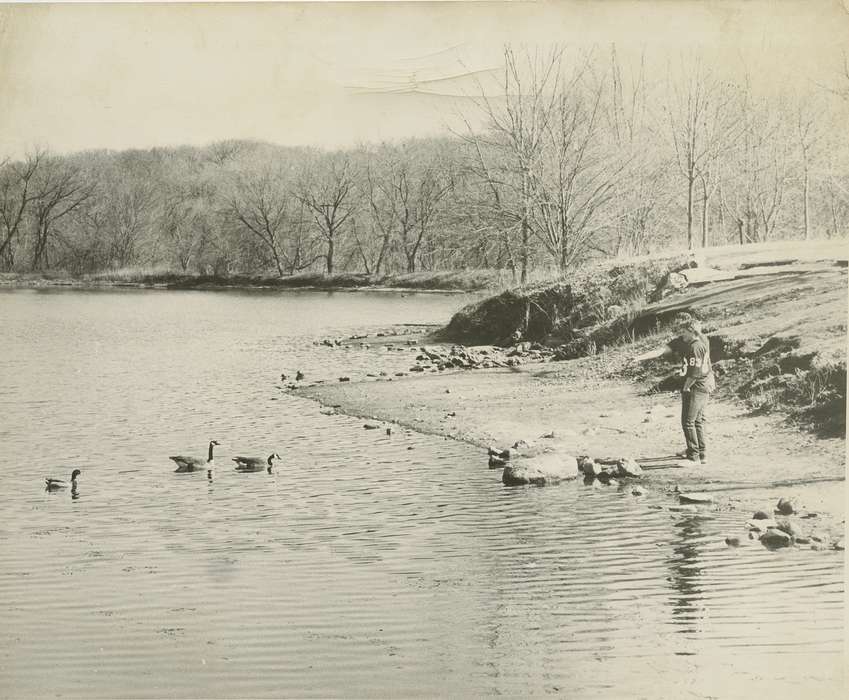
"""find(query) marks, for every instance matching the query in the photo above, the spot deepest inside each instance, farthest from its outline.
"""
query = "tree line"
(580, 156)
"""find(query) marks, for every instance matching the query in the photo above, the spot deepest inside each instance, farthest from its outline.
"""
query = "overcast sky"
(92, 76)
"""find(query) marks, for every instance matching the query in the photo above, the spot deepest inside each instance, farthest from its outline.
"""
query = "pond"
(365, 564)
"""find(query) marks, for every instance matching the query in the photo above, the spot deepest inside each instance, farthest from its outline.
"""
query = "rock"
(587, 466)
(840, 545)
(371, 426)
(603, 476)
(540, 470)
(548, 436)
(761, 525)
(638, 491)
(695, 497)
(524, 476)
(522, 445)
(785, 507)
(789, 528)
(628, 467)
(775, 538)
(344, 379)
(417, 368)
(760, 515)
(495, 452)
(732, 541)
(803, 540)
(811, 515)
(683, 509)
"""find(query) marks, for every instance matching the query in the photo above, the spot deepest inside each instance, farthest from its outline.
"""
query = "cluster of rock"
(606, 470)
(783, 531)
(479, 356)
(550, 467)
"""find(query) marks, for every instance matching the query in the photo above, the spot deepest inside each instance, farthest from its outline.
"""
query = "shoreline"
(569, 408)
(191, 283)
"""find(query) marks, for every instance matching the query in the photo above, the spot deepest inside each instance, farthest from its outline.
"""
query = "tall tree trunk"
(330, 246)
(526, 232)
(806, 205)
(690, 185)
(705, 215)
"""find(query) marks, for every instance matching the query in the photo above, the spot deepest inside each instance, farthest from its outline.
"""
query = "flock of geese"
(184, 465)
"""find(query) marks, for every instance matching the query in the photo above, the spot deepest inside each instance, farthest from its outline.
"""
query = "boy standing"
(692, 347)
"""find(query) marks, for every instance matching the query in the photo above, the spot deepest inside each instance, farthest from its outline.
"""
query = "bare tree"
(703, 124)
(130, 204)
(755, 194)
(16, 195)
(59, 189)
(807, 135)
(506, 156)
(328, 195)
(264, 206)
(578, 173)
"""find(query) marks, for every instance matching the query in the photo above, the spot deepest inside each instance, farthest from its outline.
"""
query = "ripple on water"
(357, 567)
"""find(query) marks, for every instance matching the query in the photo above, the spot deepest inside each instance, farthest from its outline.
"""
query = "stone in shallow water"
(789, 528)
(776, 538)
(761, 525)
(540, 470)
(694, 497)
(760, 515)
(732, 541)
(785, 506)
(628, 467)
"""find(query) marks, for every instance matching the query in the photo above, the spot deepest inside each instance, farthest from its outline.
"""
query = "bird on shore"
(299, 375)
(56, 484)
(255, 464)
(194, 464)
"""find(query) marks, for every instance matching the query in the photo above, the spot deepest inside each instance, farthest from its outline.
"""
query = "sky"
(81, 76)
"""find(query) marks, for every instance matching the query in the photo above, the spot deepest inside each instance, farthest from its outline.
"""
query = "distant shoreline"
(446, 283)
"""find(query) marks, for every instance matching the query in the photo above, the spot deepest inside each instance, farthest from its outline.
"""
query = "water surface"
(366, 564)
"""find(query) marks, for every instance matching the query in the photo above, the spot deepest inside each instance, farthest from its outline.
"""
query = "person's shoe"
(703, 459)
(683, 454)
(688, 463)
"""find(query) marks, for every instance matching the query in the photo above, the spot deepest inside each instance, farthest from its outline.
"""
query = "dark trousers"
(693, 420)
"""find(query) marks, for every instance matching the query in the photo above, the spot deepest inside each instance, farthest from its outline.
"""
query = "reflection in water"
(685, 572)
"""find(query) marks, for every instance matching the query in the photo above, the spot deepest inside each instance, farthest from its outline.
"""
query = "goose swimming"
(255, 464)
(194, 464)
(56, 484)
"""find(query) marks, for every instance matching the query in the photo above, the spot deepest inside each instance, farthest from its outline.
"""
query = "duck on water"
(255, 464)
(57, 484)
(195, 464)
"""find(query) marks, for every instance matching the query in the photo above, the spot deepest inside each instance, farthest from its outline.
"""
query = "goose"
(193, 464)
(255, 464)
(56, 484)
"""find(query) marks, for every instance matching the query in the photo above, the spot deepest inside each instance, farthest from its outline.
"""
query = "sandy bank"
(754, 460)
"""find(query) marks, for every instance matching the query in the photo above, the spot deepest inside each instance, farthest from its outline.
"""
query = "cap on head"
(686, 322)
(75, 474)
